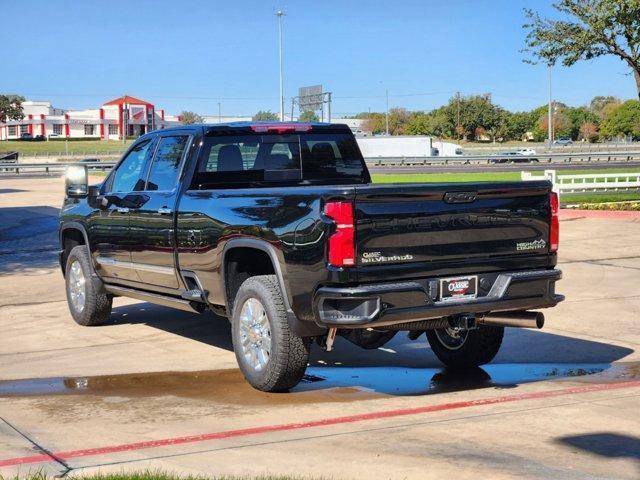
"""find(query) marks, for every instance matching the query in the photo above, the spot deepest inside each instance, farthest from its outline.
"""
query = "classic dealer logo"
(535, 245)
(458, 287)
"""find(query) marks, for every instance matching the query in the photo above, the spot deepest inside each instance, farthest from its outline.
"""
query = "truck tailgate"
(409, 223)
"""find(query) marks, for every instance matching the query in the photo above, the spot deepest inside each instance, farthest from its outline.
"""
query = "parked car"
(277, 227)
(26, 136)
(563, 141)
(512, 157)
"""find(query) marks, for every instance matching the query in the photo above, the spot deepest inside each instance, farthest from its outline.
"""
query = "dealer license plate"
(458, 288)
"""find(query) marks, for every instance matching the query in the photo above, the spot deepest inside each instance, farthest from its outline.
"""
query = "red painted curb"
(610, 214)
(312, 424)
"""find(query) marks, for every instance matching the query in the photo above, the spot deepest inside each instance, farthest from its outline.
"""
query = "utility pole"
(550, 113)
(386, 118)
(280, 14)
(458, 114)
(329, 108)
(219, 113)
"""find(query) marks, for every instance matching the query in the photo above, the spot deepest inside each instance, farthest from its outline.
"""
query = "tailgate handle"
(460, 197)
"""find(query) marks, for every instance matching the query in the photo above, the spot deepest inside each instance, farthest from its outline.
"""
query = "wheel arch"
(279, 269)
(71, 235)
(275, 258)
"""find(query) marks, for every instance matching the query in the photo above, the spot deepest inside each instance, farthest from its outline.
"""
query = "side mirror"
(77, 181)
(93, 197)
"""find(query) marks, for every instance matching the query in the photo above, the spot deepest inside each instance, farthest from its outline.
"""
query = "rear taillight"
(554, 230)
(341, 242)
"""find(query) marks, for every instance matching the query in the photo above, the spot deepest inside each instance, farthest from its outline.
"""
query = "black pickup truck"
(277, 227)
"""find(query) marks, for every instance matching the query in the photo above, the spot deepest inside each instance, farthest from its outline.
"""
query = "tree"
(604, 106)
(590, 29)
(518, 124)
(189, 118)
(588, 131)
(11, 107)
(562, 126)
(375, 122)
(265, 116)
(578, 117)
(398, 119)
(420, 123)
(308, 116)
(624, 121)
(466, 114)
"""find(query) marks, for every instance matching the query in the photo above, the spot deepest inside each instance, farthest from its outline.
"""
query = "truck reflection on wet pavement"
(321, 384)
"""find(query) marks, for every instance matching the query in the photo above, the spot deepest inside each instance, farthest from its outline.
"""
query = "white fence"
(587, 183)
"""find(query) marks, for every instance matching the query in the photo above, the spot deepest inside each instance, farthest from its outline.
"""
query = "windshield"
(307, 158)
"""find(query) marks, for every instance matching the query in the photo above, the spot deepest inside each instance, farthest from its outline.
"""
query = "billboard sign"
(310, 98)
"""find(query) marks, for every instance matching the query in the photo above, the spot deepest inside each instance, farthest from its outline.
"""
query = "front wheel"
(88, 305)
(271, 357)
(458, 348)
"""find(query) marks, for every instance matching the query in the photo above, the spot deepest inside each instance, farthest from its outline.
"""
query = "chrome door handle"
(122, 210)
(164, 211)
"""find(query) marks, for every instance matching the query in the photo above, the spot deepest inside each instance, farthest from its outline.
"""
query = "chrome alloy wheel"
(255, 334)
(452, 338)
(76, 286)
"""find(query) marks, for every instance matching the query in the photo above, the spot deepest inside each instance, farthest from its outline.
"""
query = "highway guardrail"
(479, 160)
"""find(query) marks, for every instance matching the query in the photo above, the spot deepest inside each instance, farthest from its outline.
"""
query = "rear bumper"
(383, 304)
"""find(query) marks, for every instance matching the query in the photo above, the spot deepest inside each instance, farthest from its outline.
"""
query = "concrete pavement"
(158, 388)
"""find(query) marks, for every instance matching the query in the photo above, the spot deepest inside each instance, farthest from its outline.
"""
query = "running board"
(155, 298)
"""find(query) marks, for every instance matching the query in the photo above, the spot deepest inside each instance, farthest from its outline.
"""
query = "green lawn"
(512, 176)
(57, 147)
(445, 177)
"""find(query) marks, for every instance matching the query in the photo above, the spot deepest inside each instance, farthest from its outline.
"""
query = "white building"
(124, 114)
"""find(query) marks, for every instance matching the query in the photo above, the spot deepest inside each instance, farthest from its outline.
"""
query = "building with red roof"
(125, 115)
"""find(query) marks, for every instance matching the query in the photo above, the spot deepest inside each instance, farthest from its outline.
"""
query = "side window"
(166, 163)
(127, 177)
(244, 148)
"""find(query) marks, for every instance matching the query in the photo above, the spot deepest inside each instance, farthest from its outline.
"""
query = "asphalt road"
(160, 389)
(503, 167)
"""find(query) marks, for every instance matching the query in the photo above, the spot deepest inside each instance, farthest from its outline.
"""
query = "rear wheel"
(271, 357)
(87, 304)
(459, 348)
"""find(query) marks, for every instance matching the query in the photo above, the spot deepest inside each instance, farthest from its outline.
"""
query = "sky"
(194, 54)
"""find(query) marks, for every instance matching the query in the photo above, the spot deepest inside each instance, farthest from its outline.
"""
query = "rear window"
(308, 158)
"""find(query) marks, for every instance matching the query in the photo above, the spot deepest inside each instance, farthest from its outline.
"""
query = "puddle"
(320, 385)
(425, 381)
(221, 386)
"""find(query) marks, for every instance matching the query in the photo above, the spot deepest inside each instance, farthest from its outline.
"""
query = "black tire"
(97, 304)
(478, 347)
(288, 353)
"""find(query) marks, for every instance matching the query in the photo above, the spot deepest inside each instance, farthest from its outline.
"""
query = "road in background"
(475, 168)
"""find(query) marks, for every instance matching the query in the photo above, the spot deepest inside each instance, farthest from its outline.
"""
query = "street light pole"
(219, 113)
(280, 14)
(550, 113)
(386, 117)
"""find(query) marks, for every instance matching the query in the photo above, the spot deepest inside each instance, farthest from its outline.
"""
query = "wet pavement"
(328, 383)
(157, 388)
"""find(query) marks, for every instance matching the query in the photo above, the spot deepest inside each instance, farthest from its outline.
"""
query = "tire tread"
(289, 353)
(97, 308)
(481, 347)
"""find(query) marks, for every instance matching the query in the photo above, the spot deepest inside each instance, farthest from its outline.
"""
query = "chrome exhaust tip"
(521, 319)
